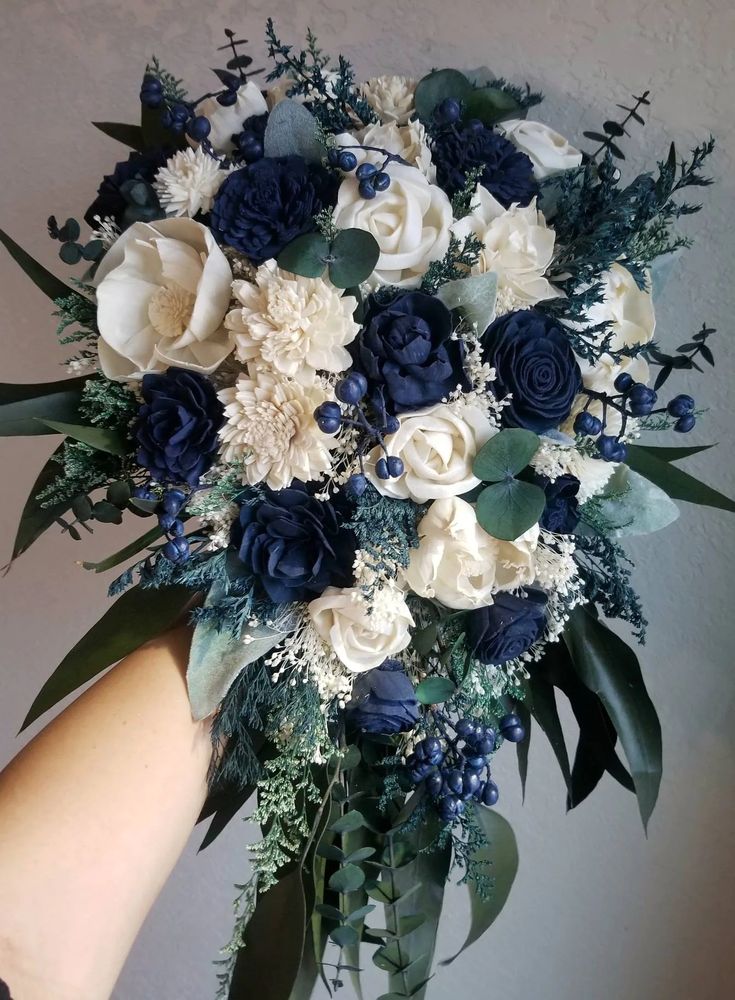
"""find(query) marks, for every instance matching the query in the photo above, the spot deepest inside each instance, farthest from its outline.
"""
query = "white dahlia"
(270, 430)
(291, 324)
(189, 181)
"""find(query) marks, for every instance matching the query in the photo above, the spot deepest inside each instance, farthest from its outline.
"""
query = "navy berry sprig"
(372, 179)
(454, 767)
(330, 417)
(634, 399)
(168, 508)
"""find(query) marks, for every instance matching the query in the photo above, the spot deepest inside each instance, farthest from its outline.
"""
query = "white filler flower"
(517, 245)
(362, 632)
(270, 430)
(292, 324)
(189, 181)
(163, 290)
(459, 564)
(410, 222)
(437, 447)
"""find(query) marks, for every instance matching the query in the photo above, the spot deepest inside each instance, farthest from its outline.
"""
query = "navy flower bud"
(384, 702)
(507, 628)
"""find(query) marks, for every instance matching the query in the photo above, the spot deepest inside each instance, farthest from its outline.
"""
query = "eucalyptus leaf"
(133, 619)
(678, 484)
(505, 510)
(122, 555)
(43, 279)
(435, 690)
(345, 935)
(610, 668)
(353, 256)
(292, 130)
(631, 505)
(23, 406)
(491, 105)
(505, 455)
(351, 820)
(436, 87)
(100, 438)
(473, 297)
(218, 657)
(501, 854)
(306, 255)
(348, 878)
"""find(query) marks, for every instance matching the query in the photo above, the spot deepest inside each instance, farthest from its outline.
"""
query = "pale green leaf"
(473, 297)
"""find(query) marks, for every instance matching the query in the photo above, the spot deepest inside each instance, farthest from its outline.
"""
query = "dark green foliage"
(524, 97)
(456, 263)
(386, 529)
(75, 309)
(462, 200)
(605, 571)
(612, 130)
(173, 88)
(685, 357)
(336, 103)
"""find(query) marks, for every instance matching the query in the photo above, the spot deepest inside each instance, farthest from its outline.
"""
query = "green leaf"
(631, 505)
(354, 254)
(610, 668)
(352, 820)
(473, 297)
(106, 513)
(218, 657)
(292, 130)
(546, 714)
(435, 690)
(228, 808)
(128, 135)
(48, 283)
(435, 87)
(306, 255)
(674, 454)
(523, 747)
(330, 912)
(423, 639)
(122, 555)
(505, 455)
(347, 879)
(119, 493)
(344, 935)
(361, 854)
(350, 758)
(502, 855)
(36, 519)
(136, 617)
(22, 406)
(155, 135)
(505, 510)
(274, 943)
(678, 484)
(330, 851)
(491, 105)
(101, 438)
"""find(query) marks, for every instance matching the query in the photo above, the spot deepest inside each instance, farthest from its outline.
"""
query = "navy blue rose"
(383, 701)
(261, 208)
(177, 426)
(114, 200)
(535, 363)
(506, 172)
(508, 627)
(561, 514)
(406, 351)
(294, 544)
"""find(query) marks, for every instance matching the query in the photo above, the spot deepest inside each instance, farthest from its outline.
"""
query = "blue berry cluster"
(633, 399)
(177, 117)
(168, 510)
(455, 769)
(249, 142)
(371, 179)
(330, 417)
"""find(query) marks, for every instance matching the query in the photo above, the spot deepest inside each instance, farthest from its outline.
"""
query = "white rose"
(292, 324)
(407, 141)
(459, 564)
(362, 634)
(391, 96)
(549, 152)
(163, 290)
(518, 246)
(227, 121)
(437, 446)
(625, 308)
(410, 221)
(270, 430)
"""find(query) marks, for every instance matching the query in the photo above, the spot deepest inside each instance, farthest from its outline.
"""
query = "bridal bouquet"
(378, 363)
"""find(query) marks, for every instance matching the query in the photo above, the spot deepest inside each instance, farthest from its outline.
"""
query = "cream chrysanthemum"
(391, 96)
(189, 182)
(270, 430)
(290, 324)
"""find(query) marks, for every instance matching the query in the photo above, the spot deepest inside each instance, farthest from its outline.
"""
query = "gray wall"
(598, 912)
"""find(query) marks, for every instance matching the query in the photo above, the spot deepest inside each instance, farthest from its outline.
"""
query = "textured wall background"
(598, 912)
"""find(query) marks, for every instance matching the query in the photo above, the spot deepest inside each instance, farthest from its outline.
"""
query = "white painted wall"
(598, 912)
